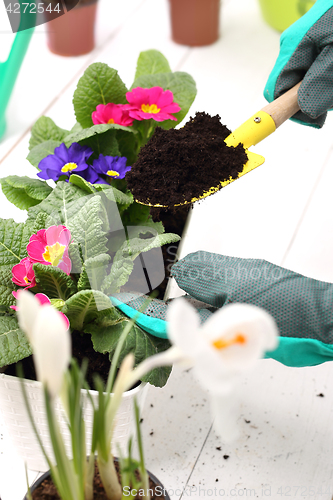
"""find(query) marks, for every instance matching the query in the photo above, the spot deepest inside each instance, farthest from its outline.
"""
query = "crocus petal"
(51, 348)
(27, 311)
(183, 328)
(224, 412)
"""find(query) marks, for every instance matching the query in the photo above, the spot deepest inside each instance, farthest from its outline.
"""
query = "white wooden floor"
(283, 212)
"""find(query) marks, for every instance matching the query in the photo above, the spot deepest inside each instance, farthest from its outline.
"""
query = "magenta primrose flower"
(43, 300)
(154, 103)
(111, 113)
(50, 247)
(23, 274)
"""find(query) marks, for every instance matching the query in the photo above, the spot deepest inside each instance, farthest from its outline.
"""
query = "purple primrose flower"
(67, 161)
(110, 167)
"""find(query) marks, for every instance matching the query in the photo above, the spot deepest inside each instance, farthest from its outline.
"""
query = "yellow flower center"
(111, 120)
(152, 108)
(54, 253)
(26, 280)
(113, 173)
(68, 167)
(220, 344)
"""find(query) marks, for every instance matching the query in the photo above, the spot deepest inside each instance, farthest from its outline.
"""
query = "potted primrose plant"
(229, 343)
(85, 236)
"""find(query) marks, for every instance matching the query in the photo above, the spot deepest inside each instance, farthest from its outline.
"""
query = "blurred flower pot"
(73, 33)
(195, 22)
(280, 14)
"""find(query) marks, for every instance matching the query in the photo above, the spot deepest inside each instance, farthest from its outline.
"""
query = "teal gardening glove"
(301, 306)
(306, 53)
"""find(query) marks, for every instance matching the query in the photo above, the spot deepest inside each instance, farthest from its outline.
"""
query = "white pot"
(21, 434)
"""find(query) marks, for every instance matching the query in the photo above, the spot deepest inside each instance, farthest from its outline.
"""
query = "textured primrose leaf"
(105, 143)
(6, 288)
(99, 84)
(105, 337)
(54, 282)
(120, 271)
(127, 145)
(134, 246)
(14, 238)
(61, 204)
(94, 272)
(24, 192)
(151, 62)
(41, 151)
(88, 228)
(181, 85)
(114, 194)
(44, 130)
(14, 344)
(83, 307)
(86, 133)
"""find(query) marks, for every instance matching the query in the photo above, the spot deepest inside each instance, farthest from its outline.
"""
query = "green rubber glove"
(306, 53)
(302, 307)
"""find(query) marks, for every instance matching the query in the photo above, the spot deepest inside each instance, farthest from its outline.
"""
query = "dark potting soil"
(47, 490)
(81, 348)
(177, 165)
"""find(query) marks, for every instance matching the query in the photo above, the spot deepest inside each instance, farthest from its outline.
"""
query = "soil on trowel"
(178, 165)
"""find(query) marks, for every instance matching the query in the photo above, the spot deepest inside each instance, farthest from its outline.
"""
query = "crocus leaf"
(105, 335)
(41, 151)
(24, 192)
(84, 306)
(89, 227)
(44, 130)
(14, 344)
(99, 84)
(151, 62)
(54, 282)
(14, 238)
(181, 85)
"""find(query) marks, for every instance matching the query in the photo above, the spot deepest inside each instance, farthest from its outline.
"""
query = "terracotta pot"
(162, 492)
(18, 427)
(195, 22)
(73, 33)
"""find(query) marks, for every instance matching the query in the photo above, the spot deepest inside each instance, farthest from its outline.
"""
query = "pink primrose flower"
(50, 247)
(154, 103)
(43, 300)
(111, 113)
(23, 274)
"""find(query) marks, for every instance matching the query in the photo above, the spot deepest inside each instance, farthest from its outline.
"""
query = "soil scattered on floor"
(177, 165)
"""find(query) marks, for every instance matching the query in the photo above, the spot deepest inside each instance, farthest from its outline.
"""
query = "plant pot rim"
(37, 383)
(150, 474)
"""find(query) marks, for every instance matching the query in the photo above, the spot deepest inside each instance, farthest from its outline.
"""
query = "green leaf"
(94, 272)
(86, 133)
(77, 127)
(134, 246)
(88, 228)
(14, 238)
(40, 222)
(127, 144)
(181, 85)
(82, 183)
(24, 192)
(83, 307)
(113, 194)
(120, 271)
(6, 288)
(41, 151)
(54, 282)
(14, 344)
(151, 62)
(105, 144)
(61, 204)
(99, 84)
(105, 337)
(44, 130)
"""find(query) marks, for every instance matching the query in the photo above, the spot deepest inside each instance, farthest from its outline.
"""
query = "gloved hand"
(306, 52)
(302, 307)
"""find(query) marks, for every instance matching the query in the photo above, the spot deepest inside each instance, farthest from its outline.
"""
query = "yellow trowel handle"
(266, 121)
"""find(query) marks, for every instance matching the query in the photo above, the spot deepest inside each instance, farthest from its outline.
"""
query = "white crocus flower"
(49, 337)
(227, 344)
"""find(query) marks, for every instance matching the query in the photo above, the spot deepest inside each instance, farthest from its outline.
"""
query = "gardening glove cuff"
(301, 306)
(306, 53)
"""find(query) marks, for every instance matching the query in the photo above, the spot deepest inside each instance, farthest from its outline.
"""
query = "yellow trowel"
(254, 130)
